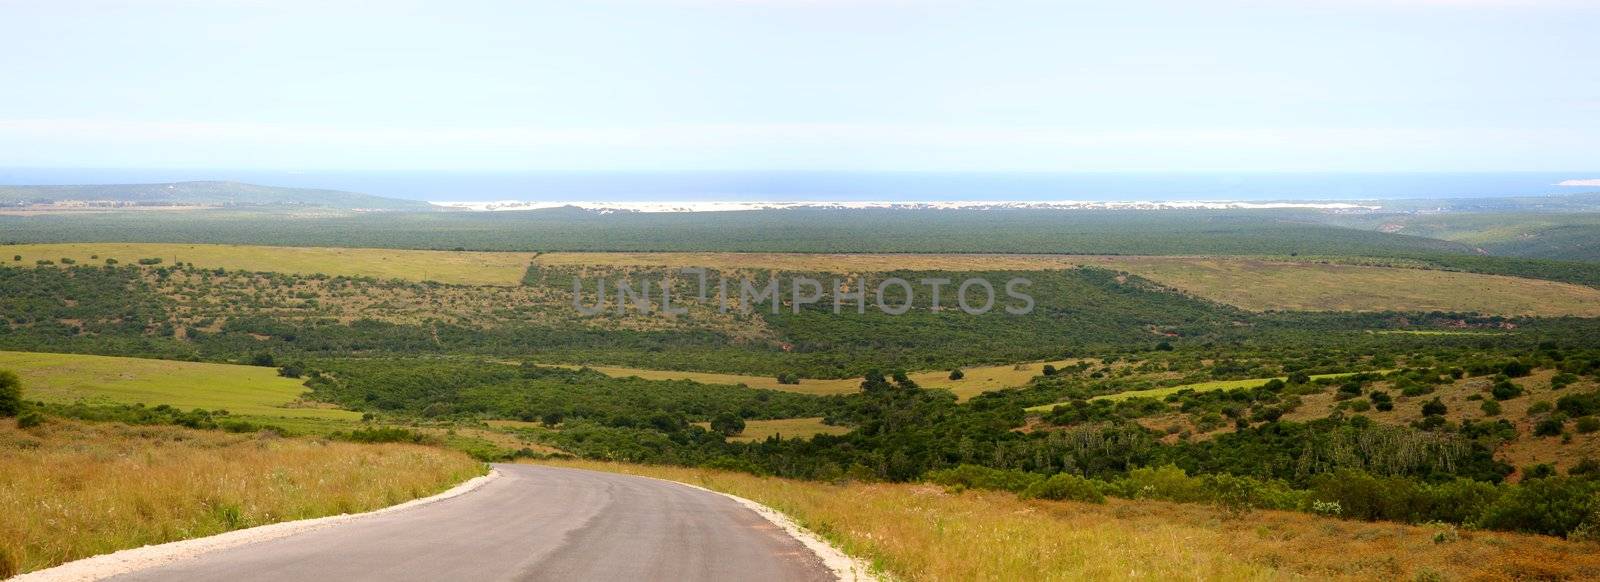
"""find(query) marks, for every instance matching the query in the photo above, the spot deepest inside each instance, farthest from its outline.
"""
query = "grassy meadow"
(1260, 285)
(70, 490)
(244, 391)
(924, 532)
(1249, 283)
(977, 380)
(459, 267)
(1253, 284)
(801, 428)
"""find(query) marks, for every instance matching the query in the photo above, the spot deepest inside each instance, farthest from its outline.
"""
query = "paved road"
(533, 523)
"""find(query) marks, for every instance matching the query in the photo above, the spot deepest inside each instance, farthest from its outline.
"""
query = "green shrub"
(1547, 427)
(1235, 495)
(1065, 487)
(979, 477)
(957, 374)
(1490, 408)
(10, 393)
(1579, 404)
(727, 423)
(1458, 501)
(1167, 482)
(1553, 506)
(30, 419)
(1434, 408)
(1505, 390)
(1588, 424)
(1562, 380)
(385, 435)
(727, 463)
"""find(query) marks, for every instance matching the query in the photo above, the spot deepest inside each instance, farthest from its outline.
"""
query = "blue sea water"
(788, 186)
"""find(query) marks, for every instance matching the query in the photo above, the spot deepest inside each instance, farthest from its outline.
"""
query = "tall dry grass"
(70, 490)
(922, 532)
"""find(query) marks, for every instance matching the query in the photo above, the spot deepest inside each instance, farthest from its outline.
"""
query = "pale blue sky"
(1182, 85)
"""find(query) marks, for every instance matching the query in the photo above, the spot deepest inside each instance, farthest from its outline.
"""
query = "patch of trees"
(475, 389)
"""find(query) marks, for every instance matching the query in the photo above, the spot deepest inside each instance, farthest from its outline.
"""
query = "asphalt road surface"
(532, 523)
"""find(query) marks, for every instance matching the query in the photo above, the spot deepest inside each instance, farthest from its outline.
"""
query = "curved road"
(532, 523)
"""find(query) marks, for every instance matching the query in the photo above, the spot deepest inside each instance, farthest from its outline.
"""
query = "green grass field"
(461, 267)
(1159, 393)
(246, 391)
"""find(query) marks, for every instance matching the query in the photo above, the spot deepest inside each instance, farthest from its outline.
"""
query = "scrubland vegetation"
(934, 532)
(70, 489)
(453, 267)
(1168, 423)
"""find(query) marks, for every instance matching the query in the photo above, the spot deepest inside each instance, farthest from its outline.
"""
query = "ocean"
(790, 186)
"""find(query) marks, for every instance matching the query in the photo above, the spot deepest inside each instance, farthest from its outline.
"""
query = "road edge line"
(846, 568)
(141, 558)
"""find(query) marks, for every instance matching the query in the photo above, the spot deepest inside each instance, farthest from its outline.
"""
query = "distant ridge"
(721, 206)
(201, 194)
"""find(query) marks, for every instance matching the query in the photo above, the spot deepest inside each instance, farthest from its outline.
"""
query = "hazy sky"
(803, 84)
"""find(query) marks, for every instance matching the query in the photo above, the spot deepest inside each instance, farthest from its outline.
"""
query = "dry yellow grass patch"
(1253, 284)
(807, 386)
(920, 532)
(463, 267)
(1263, 285)
(799, 428)
(977, 381)
(69, 490)
(816, 262)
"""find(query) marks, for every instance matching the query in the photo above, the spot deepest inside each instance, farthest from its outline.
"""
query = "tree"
(727, 423)
(551, 419)
(292, 370)
(957, 374)
(1049, 370)
(10, 393)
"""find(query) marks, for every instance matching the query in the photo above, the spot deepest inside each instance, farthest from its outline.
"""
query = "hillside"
(198, 194)
(920, 531)
(813, 230)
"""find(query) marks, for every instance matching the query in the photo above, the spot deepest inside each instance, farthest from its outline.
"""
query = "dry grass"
(808, 386)
(1275, 285)
(70, 490)
(800, 428)
(919, 532)
(977, 380)
(815, 262)
(1254, 284)
(469, 268)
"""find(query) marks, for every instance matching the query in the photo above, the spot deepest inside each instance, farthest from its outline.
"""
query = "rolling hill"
(201, 194)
